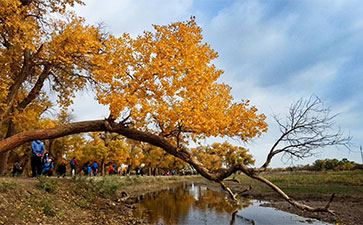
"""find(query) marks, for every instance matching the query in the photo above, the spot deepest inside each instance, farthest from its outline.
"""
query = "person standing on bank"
(36, 158)
(74, 165)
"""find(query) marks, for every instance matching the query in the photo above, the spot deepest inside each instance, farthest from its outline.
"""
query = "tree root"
(124, 196)
(226, 188)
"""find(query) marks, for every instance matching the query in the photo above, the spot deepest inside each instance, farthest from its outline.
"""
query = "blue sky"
(272, 53)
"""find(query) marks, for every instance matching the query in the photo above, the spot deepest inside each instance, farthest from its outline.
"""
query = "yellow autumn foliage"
(165, 83)
(222, 155)
(162, 81)
(42, 41)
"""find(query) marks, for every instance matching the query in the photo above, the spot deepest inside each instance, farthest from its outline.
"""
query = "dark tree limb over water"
(307, 128)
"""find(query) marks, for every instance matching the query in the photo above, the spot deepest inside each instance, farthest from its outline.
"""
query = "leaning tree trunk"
(4, 156)
(50, 148)
(4, 162)
(103, 167)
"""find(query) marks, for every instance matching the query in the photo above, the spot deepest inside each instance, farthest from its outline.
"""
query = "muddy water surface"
(196, 204)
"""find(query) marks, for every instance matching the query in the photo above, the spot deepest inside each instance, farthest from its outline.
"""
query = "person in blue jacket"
(48, 168)
(94, 168)
(36, 158)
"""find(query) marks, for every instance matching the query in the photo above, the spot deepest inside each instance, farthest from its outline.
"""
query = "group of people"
(42, 164)
(90, 169)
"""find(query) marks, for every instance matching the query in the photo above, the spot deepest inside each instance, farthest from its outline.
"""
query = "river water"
(196, 204)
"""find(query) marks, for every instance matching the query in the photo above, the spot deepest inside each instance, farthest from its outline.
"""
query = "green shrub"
(46, 207)
(5, 186)
(47, 185)
(108, 186)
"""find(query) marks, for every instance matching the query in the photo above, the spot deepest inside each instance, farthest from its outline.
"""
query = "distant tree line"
(323, 165)
(333, 164)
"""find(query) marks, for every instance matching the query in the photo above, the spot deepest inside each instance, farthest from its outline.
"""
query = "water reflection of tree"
(219, 201)
(243, 219)
(172, 206)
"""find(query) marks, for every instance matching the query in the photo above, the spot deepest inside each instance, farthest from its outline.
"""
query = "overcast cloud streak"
(272, 52)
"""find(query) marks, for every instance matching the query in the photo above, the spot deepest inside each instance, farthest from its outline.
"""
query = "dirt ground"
(348, 210)
(22, 201)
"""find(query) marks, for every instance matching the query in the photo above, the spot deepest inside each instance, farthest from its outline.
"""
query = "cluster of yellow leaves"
(30, 117)
(217, 156)
(42, 41)
(19, 28)
(119, 151)
(166, 79)
(18, 32)
(155, 157)
(70, 50)
(115, 152)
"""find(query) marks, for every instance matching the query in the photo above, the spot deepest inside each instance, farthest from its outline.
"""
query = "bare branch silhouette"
(308, 127)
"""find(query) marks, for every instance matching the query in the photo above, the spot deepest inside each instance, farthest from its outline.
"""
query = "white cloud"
(85, 107)
(129, 16)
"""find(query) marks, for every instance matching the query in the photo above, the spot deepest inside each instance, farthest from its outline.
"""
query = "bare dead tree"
(307, 128)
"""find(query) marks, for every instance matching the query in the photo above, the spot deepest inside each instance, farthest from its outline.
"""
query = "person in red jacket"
(111, 170)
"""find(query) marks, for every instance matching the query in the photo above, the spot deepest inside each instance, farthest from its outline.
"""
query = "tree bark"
(103, 167)
(43, 134)
(26, 2)
(4, 156)
(4, 162)
(14, 88)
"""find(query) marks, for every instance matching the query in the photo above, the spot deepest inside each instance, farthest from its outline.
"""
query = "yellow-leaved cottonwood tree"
(161, 87)
(218, 156)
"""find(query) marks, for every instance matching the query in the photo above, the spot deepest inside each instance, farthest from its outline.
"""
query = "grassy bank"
(314, 184)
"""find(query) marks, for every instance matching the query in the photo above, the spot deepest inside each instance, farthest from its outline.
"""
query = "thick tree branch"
(36, 89)
(226, 188)
(14, 88)
(26, 2)
(293, 202)
(59, 131)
